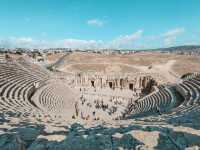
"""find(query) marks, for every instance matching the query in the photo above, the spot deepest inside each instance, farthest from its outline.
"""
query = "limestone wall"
(137, 84)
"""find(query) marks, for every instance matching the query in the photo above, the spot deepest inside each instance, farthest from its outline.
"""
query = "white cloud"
(75, 43)
(171, 36)
(27, 42)
(95, 22)
(174, 32)
(24, 42)
(17, 42)
(168, 38)
(127, 40)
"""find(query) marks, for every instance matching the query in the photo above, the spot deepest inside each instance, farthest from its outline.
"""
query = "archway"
(131, 86)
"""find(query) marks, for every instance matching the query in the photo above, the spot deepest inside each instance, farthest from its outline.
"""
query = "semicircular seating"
(16, 87)
(55, 99)
(33, 68)
(161, 99)
(190, 102)
(20, 95)
(21, 82)
(183, 98)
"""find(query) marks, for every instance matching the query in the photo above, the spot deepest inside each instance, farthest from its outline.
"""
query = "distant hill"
(179, 48)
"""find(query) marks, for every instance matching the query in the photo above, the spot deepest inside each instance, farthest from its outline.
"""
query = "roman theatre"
(100, 89)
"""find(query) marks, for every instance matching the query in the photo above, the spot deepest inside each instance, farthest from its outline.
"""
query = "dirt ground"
(128, 63)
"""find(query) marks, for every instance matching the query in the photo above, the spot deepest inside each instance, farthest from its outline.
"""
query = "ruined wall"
(137, 84)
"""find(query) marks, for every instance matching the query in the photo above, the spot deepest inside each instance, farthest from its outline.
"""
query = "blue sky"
(99, 23)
